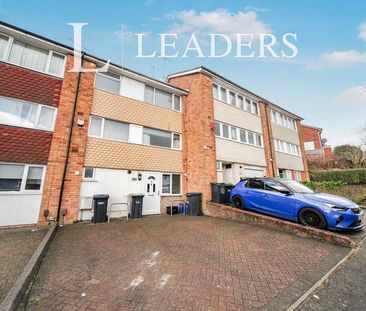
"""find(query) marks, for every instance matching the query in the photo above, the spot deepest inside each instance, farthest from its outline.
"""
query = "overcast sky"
(325, 83)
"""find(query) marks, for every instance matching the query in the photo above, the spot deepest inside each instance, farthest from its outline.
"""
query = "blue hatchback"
(292, 200)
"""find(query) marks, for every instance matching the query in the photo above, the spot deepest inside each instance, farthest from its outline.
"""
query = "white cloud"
(342, 136)
(126, 34)
(218, 21)
(354, 95)
(256, 9)
(362, 31)
(344, 58)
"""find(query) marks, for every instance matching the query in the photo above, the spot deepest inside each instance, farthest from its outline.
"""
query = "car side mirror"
(286, 192)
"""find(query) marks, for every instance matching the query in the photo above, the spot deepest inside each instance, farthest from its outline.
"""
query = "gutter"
(69, 141)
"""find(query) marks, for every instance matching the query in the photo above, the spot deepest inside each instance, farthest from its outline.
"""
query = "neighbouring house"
(66, 136)
(314, 145)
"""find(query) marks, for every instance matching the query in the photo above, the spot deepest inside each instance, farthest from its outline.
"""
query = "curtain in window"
(46, 118)
(57, 64)
(17, 113)
(3, 45)
(28, 56)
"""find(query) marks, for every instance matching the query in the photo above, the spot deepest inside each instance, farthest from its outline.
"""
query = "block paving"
(177, 263)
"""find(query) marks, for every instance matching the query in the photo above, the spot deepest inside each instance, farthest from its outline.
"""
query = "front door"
(151, 204)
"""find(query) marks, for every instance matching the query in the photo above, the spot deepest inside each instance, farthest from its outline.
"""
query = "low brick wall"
(228, 212)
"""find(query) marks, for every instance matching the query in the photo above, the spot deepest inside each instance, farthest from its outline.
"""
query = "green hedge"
(323, 185)
(349, 176)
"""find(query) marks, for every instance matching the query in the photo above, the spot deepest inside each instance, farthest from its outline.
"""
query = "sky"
(325, 83)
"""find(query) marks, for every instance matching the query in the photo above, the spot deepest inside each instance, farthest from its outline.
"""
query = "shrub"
(348, 176)
(324, 185)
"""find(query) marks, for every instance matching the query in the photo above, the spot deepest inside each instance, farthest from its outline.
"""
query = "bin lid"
(136, 195)
(101, 196)
(189, 194)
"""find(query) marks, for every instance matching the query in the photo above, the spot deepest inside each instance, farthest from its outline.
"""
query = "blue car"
(294, 201)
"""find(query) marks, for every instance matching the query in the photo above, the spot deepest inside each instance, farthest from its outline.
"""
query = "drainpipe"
(69, 141)
(270, 141)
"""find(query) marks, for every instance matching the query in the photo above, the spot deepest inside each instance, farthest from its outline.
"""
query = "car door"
(253, 194)
(276, 202)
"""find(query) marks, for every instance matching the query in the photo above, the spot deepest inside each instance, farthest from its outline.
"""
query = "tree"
(350, 156)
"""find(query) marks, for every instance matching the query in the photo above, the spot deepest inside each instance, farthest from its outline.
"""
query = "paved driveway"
(16, 248)
(177, 263)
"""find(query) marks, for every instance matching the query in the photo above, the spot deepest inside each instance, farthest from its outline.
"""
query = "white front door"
(151, 204)
(227, 173)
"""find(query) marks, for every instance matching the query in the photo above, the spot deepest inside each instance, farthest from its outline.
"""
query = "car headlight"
(335, 207)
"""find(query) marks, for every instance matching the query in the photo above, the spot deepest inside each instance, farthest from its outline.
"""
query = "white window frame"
(37, 115)
(89, 178)
(283, 120)
(237, 130)
(171, 185)
(50, 53)
(172, 141)
(286, 147)
(180, 101)
(219, 168)
(102, 129)
(218, 91)
(112, 78)
(22, 189)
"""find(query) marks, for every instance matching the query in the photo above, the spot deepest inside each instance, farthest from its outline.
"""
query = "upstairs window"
(163, 99)
(159, 138)
(107, 82)
(215, 91)
(223, 94)
(25, 114)
(232, 99)
(3, 45)
(108, 129)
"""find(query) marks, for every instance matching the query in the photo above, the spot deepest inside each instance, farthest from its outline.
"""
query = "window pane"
(215, 91)
(28, 56)
(95, 127)
(11, 177)
(255, 108)
(175, 184)
(177, 100)
(3, 45)
(233, 133)
(34, 178)
(258, 140)
(57, 64)
(107, 83)
(18, 113)
(166, 184)
(89, 172)
(232, 99)
(217, 129)
(241, 102)
(247, 105)
(218, 165)
(223, 94)
(157, 138)
(251, 138)
(149, 94)
(46, 118)
(176, 141)
(243, 137)
(115, 130)
(225, 131)
(163, 99)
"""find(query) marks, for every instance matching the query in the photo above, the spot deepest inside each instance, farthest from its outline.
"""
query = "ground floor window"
(19, 177)
(171, 184)
(297, 175)
(281, 173)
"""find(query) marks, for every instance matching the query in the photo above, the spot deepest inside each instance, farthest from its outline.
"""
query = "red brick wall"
(21, 145)
(328, 153)
(28, 85)
(311, 134)
(199, 149)
(268, 141)
(56, 161)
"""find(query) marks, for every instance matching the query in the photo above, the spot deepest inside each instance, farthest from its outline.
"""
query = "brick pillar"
(305, 174)
(268, 140)
(199, 149)
(57, 155)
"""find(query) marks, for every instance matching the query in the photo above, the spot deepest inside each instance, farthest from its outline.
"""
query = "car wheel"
(238, 203)
(312, 218)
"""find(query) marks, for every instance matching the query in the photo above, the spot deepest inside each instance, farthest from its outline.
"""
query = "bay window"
(25, 114)
(171, 184)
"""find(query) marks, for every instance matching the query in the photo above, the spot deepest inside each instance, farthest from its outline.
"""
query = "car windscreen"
(296, 186)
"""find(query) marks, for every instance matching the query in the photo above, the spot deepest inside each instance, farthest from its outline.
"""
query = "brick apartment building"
(66, 136)
(314, 145)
